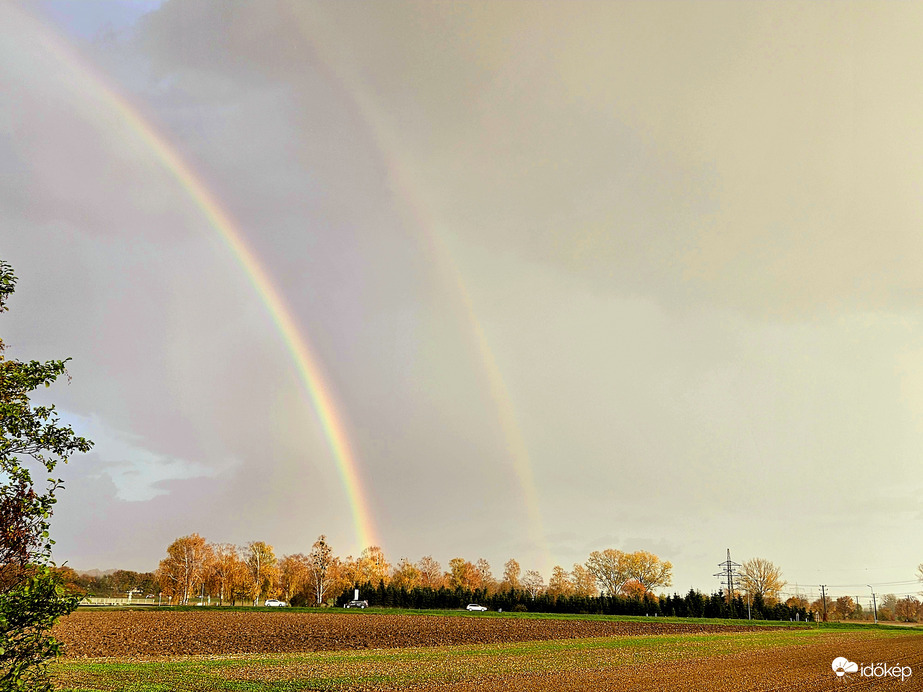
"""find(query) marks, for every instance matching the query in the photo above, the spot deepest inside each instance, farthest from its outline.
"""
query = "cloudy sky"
(570, 277)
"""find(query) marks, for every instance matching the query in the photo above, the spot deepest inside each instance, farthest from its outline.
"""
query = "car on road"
(475, 606)
(357, 604)
(273, 603)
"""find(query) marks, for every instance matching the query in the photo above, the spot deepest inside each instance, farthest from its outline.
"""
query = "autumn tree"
(614, 569)
(908, 609)
(798, 602)
(375, 568)
(31, 438)
(406, 575)
(431, 575)
(583, 580)
(844, 606)
(886, 606)
(224, 567)
(462, 574)
(69, 579)
(610, 568)
(512, 573)
(184, 569)
(560, 582)
(240, 587)
(294, 575)
(633, 589)
(351, 571)
(485, 575)
(322, 564)
(648, 570)
(760, 577)
(823, 607)
(264, 570)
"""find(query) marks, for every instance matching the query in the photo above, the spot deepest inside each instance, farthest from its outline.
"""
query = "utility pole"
(874, 603)
(823, 599)
(727, 574)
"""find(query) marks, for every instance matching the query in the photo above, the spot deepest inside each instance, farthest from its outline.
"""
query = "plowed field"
(158, 651)
(165, 633)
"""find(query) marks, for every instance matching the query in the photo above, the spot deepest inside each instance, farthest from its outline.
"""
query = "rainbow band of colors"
(306, 363)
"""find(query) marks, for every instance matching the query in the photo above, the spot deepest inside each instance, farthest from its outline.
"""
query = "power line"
(728, 574)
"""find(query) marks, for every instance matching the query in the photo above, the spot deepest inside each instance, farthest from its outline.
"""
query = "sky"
(501, 280)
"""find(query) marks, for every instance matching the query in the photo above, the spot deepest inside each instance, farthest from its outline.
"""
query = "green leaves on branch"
(27, 613)
(31, 597)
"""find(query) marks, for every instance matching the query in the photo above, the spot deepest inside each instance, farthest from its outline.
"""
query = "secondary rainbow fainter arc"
(307, 365)
(323, 43)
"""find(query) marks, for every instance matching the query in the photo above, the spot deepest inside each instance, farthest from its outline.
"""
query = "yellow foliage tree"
(560, 582)
(294, 575)
(759, 577)
(584, 581)
(462, 574)
(374, 566)
(511, 576)
(184, 568)
(648, 570)
(406, 575)
(224, 564)
(610, 568)
(264, 570)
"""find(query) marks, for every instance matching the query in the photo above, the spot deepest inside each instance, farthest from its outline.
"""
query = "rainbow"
(324, 43)
(305, 361)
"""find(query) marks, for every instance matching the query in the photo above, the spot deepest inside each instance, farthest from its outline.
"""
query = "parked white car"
(475, 606)
(273, 603)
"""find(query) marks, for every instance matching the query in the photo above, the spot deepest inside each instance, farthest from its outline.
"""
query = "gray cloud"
(686, 231)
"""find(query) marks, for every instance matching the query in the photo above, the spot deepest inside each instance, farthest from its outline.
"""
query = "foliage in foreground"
(31, 597)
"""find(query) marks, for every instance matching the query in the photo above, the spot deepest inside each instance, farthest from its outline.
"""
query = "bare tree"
(533, 583)
(321, 562)
(430, 572)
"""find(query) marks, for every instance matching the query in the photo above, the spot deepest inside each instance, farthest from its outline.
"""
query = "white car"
(475, 606)
(273, 603)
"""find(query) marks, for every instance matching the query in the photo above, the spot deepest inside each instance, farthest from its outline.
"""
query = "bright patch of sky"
(137, 473)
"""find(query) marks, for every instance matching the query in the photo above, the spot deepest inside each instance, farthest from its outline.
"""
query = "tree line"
(693, 605)
(610, 581)
(195, 569)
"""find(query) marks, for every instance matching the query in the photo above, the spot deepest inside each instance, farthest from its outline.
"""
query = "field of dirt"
(91, 634)
(801, 668)
(377, 652)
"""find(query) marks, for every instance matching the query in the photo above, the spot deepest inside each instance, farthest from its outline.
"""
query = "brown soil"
(803, 668)
(184, 633)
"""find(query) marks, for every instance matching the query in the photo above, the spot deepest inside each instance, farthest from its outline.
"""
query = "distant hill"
(95, 573)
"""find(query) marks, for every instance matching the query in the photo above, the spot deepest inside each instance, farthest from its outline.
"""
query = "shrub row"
(694, 604)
